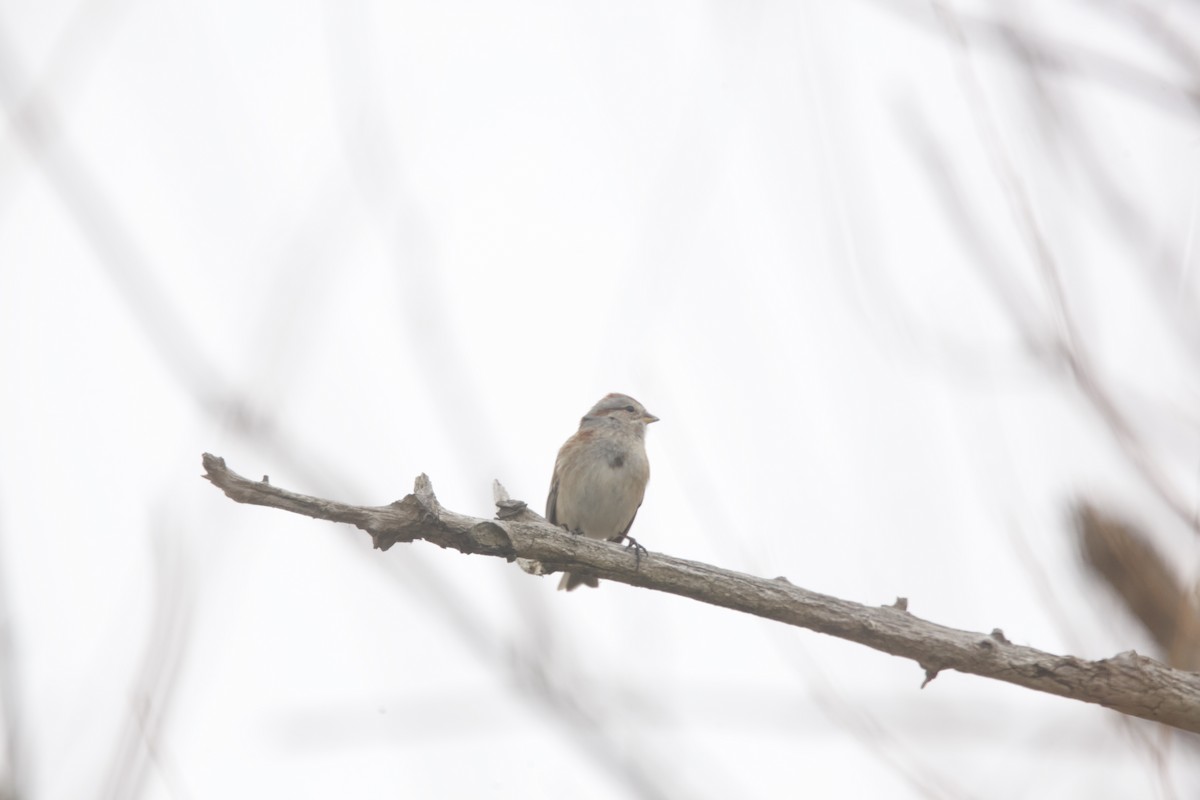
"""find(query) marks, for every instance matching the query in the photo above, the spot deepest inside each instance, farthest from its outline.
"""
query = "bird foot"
(638, 551)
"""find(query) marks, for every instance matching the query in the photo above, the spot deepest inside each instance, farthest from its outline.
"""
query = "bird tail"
(570, 581)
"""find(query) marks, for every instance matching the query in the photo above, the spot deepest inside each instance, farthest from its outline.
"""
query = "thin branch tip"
(423, 491)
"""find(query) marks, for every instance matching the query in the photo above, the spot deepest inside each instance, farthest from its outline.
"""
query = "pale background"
(342, 244)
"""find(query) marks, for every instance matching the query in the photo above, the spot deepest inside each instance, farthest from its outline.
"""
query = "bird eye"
(630, 409)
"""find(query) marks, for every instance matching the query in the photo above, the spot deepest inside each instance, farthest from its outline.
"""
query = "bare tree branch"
(1128, 682)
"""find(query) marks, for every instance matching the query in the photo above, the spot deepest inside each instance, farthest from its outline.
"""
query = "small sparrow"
(600, 475)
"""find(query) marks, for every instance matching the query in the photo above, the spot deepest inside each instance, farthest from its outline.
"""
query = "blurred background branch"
(1124, 557)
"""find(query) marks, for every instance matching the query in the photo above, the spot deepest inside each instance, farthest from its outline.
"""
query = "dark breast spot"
(616, 462)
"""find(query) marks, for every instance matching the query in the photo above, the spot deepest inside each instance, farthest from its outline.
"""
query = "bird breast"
(601, 492)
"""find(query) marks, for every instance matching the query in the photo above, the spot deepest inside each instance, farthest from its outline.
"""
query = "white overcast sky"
(343, 244)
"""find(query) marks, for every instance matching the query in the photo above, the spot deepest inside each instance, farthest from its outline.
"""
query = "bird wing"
(623, 535)
(552, 501)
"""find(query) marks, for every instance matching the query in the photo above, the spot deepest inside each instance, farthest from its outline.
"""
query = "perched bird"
(600, 475)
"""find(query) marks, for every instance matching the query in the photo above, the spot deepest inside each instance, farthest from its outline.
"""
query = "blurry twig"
(93, 211)
(12, 780)
(1153, 258)
(86, 30)
(893, 751)
(1152, 22)
(1069, 346)
(1062, 57)
(139, 743)
(956, 203)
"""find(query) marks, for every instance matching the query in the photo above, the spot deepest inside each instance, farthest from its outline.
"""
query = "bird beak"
(649, 418)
